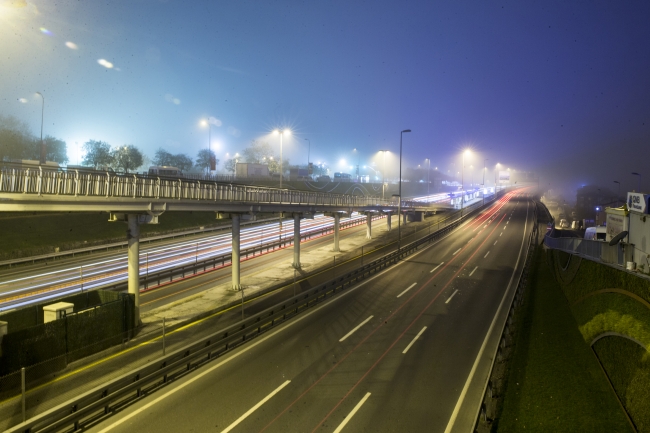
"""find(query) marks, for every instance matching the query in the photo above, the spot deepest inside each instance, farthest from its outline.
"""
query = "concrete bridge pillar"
(234, 261)
(337, 224)
(133, 240)
(369, 225)
(296, 241)
(389, 220)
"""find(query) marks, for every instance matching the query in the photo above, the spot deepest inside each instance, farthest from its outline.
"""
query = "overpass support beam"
(133, 240)
(369, 225)
(234, 261)
(133, 222)
(337, 227)
(296, 240)
(389, 220)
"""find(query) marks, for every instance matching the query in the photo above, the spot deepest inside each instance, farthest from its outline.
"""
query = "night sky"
(556, 87)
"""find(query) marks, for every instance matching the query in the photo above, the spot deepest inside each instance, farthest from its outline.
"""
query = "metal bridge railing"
(591, 249)
(78, 183)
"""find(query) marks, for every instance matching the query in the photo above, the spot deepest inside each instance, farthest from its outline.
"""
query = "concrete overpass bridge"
(137, 200)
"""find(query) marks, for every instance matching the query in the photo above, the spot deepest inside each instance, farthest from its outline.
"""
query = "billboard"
(504, 176)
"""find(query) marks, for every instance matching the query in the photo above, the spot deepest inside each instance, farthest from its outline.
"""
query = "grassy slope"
(555, 382)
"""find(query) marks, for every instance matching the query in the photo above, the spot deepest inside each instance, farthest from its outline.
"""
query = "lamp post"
(399, 202)
(308, 151)
(358, 161)
(42, 155)
(618, 196)
(428, 176)
(638, 188)
(484, 168)
(383, 173)
(288, 132)
(462, 181)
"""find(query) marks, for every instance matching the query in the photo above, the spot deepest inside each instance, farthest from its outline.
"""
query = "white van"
(598, 233)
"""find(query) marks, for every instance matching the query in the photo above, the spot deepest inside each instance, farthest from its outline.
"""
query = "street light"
(428, 175)
(462, 180)
(638, 188)
(282, 133)
(399, 202)
(484, 169)
(42, 155)
(358, 162)
(383, 173)
(308, 152)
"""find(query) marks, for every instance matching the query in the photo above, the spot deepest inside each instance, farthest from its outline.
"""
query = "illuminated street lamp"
(399, 202)
(428, 173)
(282, 133)
(462, 180)
(43, 152)
(383, 173)
(209, 125)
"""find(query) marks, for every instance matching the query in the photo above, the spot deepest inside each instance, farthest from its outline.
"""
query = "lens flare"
(105, 63)
(71, 45)
(45, 31)
(22, 100)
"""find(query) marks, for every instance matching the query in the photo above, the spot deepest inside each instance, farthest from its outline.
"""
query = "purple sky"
(556, 87)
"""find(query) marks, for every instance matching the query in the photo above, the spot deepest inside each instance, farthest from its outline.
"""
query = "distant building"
(591, 202)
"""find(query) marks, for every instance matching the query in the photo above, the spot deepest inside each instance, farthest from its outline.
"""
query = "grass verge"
(555, 382)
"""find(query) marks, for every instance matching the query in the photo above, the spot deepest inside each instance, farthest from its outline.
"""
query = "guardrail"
(99, 184)
(103, 400)
(488, 390)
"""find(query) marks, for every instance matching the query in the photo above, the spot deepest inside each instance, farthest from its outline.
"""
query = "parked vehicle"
(323, 178)
(564, 224)
(598, 233)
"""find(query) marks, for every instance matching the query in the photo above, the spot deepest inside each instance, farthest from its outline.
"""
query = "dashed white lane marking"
(473, 270)
(407, 289)
(500, 234)
(416, 337)
(495, 242)
(457, 251)
(434, 269)
(254, 408)
(485, 256)
(351, 414)
(504, 227)
(355, 329)
(452, 295)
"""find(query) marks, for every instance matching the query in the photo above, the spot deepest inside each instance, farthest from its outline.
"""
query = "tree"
(127, 157)
(98, 154)
(258, 153)
(230, 165)
(182, 161)
(203, 159)
(15, 139)
(163, 157)
(56, 150)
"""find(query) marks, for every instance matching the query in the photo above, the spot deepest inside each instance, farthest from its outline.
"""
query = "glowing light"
(22, 100)
(468, 152)
(71, 45)
(45, 31)
(105, 63)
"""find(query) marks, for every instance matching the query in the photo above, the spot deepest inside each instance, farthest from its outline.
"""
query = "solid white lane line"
(495, 242)
(485, 256)
(473, 270)
(409, 288)
(452, 295)
(416, 337)
(254, 408)
(434, 269)
(457, 251)
(355, 329)
(351, 414)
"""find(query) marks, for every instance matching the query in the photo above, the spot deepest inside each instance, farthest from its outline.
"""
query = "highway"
(394, 353)
(35, 283)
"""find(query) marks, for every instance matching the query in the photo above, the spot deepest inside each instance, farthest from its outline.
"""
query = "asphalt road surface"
(393, 354)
